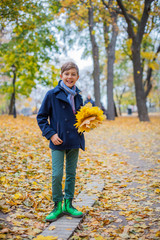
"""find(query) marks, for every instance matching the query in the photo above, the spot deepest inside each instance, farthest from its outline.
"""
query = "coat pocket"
(59, 131)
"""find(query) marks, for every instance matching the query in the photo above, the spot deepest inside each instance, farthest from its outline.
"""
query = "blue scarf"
(70, 94)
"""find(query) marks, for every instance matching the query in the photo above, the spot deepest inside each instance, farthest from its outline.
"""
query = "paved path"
(65, 226)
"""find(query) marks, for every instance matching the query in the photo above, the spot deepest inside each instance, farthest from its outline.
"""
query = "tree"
(141, 20)
(110, 55)
(95, 55)
(82, 14)
(136, 33)
(148, 83)
(123, 81)
(31, 39)
(97, 16)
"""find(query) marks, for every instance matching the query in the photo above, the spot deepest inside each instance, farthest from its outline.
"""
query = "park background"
(116, 46)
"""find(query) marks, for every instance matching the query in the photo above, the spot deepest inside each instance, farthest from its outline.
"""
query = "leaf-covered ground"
(124, 152)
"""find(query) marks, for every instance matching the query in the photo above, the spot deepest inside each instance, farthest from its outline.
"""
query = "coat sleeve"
(42, 117)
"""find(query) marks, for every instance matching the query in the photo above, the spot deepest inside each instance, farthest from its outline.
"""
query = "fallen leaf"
(51, 228)
(69, 218)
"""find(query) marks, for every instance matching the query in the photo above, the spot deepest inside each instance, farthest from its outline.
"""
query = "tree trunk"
(115, 110)
(95, 56)
(138, 80)
(148, 82)
(110, 51)
(11, 104)
(137, 36)
(119, 107)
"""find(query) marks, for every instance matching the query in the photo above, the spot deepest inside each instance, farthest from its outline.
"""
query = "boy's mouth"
(70, 82)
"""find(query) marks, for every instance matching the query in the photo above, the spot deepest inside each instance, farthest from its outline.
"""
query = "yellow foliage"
(108, 155)
(93, 32)
(154, 65)
(157, 191)
(29, 99)
(3, 179)
(40, 237)
(18, 196)
(51, 228)
(33, 109)
(158, 234)
(2, 236)
(99, 238)
(88, 117)
(148, 55)
(129, 44)
(26, 104)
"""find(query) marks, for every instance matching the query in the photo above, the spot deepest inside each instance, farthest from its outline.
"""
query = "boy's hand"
(56, 140)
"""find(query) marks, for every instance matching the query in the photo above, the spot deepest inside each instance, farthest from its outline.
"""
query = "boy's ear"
(60, 75)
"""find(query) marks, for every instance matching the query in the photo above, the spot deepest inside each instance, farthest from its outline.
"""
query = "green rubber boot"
(70, 210)
(56, 212)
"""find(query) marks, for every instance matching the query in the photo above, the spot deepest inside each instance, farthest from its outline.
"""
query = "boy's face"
(70, 77)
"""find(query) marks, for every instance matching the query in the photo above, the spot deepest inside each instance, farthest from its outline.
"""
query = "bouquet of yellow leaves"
(88, 117)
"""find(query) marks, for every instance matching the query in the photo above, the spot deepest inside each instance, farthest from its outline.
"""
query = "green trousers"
(57, 173)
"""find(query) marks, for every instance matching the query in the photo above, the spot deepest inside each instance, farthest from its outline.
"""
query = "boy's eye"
(72, 74)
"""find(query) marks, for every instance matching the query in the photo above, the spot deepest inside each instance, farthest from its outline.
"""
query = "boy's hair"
(68, 65)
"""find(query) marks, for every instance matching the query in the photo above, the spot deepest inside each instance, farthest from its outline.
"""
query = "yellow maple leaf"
(88, 117)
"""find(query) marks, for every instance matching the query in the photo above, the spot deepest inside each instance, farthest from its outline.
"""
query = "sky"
(75, 55)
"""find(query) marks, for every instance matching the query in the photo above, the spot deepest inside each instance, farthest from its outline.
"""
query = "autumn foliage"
(124, 153)
(88, 118)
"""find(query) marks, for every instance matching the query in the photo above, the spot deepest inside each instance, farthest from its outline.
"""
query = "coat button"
(63, 107)
(65, 119)
(67, 131)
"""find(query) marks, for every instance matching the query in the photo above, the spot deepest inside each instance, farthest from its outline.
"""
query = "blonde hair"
(68, 65)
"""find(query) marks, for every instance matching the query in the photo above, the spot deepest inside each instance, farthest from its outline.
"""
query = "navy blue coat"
(56, 107)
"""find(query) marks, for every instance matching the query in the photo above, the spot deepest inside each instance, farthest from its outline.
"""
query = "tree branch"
(128, 20)
(74, 10)
(118, 11)
(149, 74)
(126, 52)
(145, 15)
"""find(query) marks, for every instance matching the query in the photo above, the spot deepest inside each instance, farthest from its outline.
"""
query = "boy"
(60, 105)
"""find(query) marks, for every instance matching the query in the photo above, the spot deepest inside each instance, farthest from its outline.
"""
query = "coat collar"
(59, 88)
(60, 94)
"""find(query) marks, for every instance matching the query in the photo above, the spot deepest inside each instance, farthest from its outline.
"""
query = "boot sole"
(69, 214)
(53, 220)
